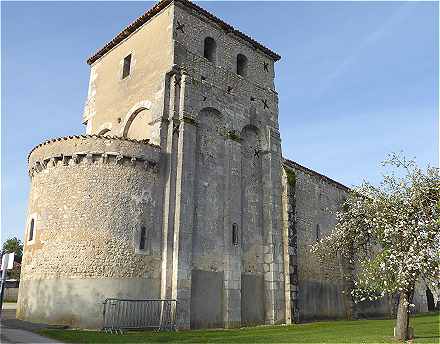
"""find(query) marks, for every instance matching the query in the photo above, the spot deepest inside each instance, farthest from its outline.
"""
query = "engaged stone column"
(272, 215)
(168, 165)
(232, 236)
(287, 197)
(184, 213)
(277, 223)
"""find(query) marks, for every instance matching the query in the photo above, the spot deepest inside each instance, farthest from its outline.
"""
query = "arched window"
(31, 230)
(210, 49)
(242, 65)
(235, 239)
(143, 238)
(318, 232)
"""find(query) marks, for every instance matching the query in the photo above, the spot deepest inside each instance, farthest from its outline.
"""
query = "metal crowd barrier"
(127, 314)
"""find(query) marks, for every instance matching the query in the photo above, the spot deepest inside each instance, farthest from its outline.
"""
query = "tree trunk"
(402, 322)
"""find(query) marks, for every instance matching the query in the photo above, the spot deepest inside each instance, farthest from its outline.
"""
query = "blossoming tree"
(391, 234)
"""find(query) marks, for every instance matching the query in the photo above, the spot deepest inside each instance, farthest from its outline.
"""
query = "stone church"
(179, 190)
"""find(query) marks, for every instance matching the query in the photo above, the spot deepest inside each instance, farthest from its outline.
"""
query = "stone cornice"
(88, 158)
(66, 138)
(91, 149)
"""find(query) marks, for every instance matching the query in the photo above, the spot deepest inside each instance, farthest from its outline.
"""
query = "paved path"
(13, 330)
(13, 335)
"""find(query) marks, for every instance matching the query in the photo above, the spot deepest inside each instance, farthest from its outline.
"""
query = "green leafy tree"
(14, 245)
(391, 234)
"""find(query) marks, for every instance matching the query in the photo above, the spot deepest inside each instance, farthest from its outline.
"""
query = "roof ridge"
(310, 171)
(136, 24)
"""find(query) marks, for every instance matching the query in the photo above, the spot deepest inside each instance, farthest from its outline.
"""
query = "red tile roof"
(127, 31)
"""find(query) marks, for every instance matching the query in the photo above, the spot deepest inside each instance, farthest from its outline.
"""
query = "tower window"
(31, 230)
(143, 238)
(210, 49)
(126, 66)
(235, 234)
(242, 65)
(318, 232)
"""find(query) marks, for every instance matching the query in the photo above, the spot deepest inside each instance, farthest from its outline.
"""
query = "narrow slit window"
(235, 234)
(143, 238)
(242, 65)
(126, 67)
(31, 230)
(210, 49)
(318, 232)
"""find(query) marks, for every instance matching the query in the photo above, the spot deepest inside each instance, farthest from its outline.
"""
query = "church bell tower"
(204, 92)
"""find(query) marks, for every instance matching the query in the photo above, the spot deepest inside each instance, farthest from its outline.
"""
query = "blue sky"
(357, 80)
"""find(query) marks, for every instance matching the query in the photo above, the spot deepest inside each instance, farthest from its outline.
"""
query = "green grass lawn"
(361, 331)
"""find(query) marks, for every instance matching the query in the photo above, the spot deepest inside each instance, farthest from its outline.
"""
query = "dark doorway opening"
(430, 300)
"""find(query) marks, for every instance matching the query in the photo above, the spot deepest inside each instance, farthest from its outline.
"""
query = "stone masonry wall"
(197, 27)
(232, 123)
(240, 99)
(90, 197)
(318, 289)
(321, 290)
(114, 104)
